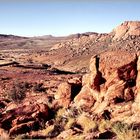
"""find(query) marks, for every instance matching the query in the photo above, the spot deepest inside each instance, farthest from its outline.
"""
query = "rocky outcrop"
(67, 91)
(111, 83)
(24, 118)
(128, 28)
(63, 95)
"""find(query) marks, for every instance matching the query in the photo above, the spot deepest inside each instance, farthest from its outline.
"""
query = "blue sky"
(58, 18)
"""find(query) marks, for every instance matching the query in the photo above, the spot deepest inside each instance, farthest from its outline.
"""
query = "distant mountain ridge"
(11, 36)
(125, 29)
(66, 51)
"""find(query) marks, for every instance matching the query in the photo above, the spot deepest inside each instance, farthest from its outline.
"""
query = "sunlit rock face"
(111, 86)
(126, 29)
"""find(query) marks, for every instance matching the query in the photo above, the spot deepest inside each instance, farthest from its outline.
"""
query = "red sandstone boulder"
(24, 118)
(63, 95)
(85, 98)
(67, 91)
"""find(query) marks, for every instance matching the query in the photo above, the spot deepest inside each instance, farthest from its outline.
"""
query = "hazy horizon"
(62, 18)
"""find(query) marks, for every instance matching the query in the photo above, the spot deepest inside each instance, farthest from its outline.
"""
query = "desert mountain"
(73, 52)
(79, 50)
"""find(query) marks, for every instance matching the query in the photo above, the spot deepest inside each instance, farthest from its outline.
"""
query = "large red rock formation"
(111, 85)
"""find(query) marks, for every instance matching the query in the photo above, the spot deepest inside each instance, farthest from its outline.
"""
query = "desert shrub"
(69, 123)
(73, 112)
(39, 87)
(103, 125)
(18, 91)
(30, 60)
(86, 122)
(124, 131)
(54, 131)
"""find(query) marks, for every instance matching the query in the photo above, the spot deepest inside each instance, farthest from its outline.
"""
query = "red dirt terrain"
(83, 86)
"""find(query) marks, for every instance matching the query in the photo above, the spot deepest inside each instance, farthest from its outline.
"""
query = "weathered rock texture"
(24, 118)
(128, 28)
(111, 89)
(67, 91)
